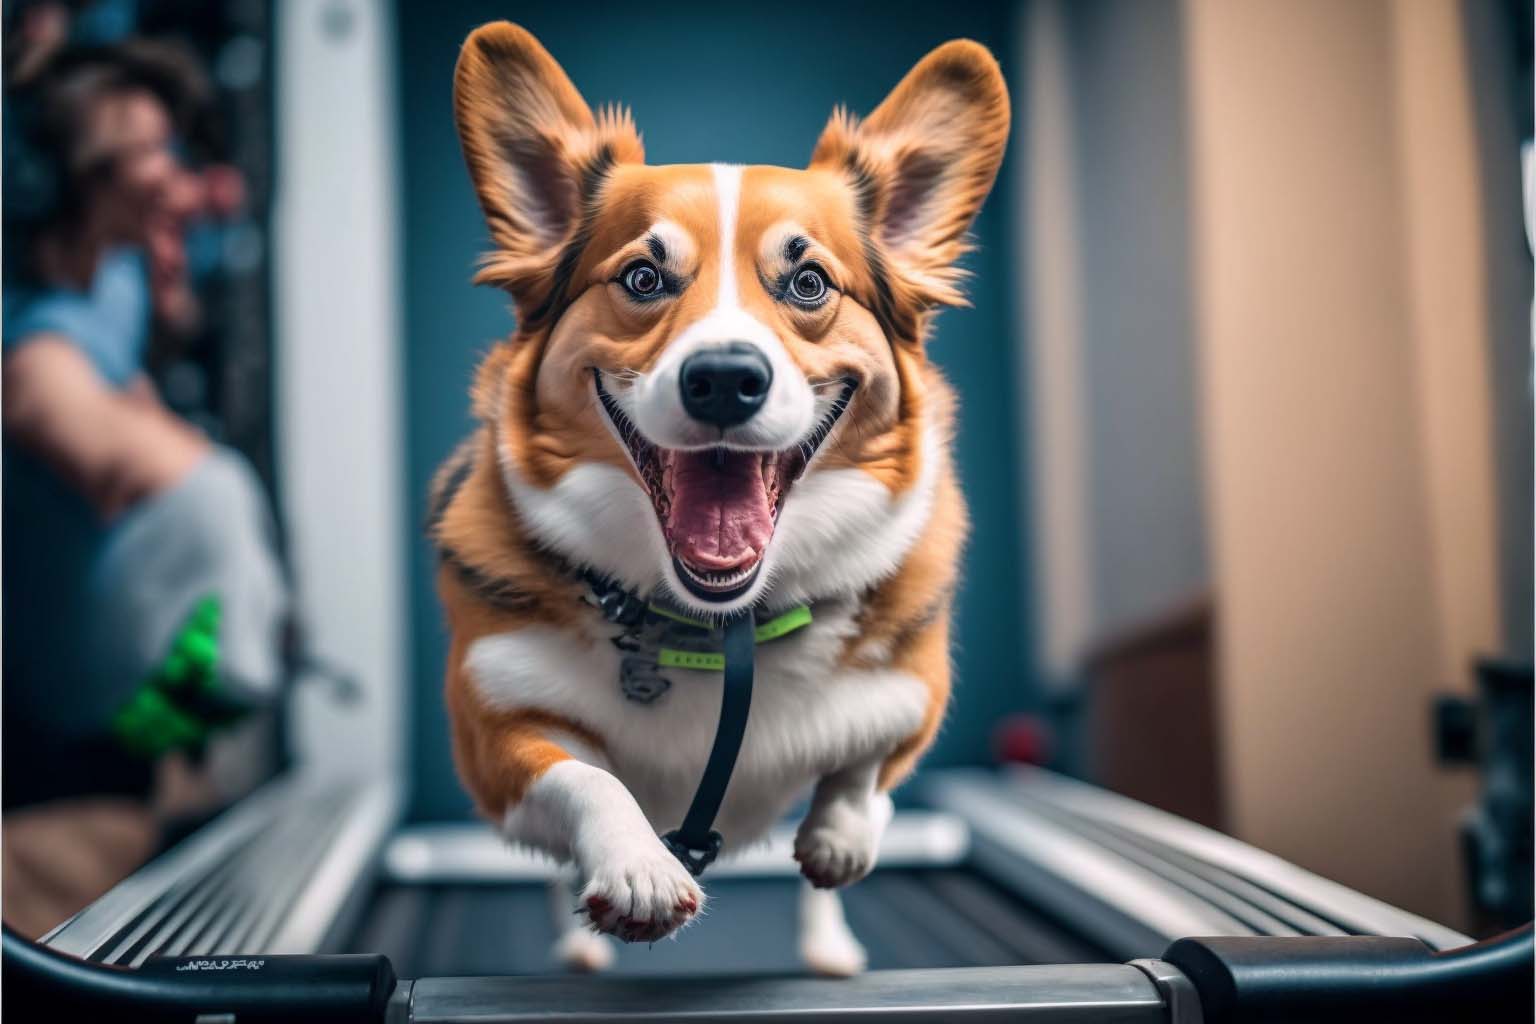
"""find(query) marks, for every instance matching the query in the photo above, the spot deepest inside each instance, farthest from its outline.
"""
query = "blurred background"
(1246, 401)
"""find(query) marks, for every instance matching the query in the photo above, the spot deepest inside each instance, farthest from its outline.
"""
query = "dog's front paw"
(835, 844)
(640, 895)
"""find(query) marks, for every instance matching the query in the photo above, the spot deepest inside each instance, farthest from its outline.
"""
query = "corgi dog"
(716, 399)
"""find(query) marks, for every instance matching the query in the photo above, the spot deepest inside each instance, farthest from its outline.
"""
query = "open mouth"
(718, 506)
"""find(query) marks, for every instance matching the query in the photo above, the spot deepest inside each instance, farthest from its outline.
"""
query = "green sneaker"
(182, 702)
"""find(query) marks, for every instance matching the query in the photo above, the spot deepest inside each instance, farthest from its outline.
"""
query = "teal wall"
(706, 82)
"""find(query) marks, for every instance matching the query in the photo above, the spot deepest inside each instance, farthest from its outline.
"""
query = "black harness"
(689, 644)
(695, 842)
(656, 638)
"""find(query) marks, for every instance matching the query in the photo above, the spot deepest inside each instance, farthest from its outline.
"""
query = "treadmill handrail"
(44, 984)
(1327, 979)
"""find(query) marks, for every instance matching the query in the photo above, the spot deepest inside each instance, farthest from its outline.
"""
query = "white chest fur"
(808, 718)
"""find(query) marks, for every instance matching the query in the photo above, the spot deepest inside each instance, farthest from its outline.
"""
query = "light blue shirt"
(109, 323)
(53, 538)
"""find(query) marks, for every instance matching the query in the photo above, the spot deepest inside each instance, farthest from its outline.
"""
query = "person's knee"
(212, 536)
(238, 543)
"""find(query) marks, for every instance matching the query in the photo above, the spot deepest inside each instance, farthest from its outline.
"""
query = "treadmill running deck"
(950, 917)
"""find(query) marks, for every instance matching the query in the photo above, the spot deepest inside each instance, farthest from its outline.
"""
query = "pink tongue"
(719, 519)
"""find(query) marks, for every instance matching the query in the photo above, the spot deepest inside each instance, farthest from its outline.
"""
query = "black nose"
(726, 385)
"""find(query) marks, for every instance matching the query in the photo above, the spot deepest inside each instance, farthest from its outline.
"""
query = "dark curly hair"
(46, 172)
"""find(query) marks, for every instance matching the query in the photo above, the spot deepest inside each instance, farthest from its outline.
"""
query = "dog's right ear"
(537, 157)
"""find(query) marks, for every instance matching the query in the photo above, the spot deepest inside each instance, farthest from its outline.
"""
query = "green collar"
(626, 608)
(672, 657)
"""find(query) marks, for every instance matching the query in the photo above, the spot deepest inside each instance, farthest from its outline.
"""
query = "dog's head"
(717, 380)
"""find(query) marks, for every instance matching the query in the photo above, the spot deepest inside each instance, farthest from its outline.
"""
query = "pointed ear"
(537, 157)
(921, 165)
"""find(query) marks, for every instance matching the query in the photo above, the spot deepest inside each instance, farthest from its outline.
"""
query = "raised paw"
(641, 896)
(835, 845)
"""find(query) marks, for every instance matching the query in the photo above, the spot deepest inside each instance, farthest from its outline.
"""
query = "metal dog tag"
(640, 681)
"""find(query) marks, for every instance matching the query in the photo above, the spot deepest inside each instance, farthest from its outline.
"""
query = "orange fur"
(885, 204)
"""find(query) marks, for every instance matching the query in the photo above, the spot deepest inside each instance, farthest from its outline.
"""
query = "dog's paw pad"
(828, 863)
(582, 951)
(836, 850)
(641, 897)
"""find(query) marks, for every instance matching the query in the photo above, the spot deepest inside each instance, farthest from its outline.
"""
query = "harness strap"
(695, 842)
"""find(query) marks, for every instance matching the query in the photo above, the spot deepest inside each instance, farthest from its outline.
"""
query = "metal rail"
(280, 873)
(1315, 905)
(272, 874)
(1068, 994)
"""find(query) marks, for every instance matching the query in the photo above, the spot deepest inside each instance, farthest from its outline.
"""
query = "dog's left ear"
(537, 156)
(920, 166)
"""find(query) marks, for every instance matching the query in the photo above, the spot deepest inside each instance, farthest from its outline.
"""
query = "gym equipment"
(1019, 895)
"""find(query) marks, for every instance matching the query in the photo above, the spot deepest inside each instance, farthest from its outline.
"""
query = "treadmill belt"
(904, 918)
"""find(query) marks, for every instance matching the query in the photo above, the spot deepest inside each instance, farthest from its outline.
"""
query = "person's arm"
(141, 392)
(113, 448)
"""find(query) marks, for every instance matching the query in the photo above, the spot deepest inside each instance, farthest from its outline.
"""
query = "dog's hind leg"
(839, 839)
(577, 946)
(827, 944)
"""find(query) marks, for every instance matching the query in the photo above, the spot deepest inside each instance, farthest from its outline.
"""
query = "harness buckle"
(620, 606)
(695, 859)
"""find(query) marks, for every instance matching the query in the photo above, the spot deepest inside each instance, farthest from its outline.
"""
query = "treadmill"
(1018, 895)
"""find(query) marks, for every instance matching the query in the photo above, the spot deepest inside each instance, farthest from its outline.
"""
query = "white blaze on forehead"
(654, 401)
(728, 191)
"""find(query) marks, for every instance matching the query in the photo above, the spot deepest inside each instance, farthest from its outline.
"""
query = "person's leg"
(193, 575)
(210, 536)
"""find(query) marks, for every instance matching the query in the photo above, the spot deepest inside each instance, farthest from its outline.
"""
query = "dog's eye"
(809, 286)
(642, 280)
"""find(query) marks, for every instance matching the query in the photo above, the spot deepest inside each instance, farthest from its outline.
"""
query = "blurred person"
(143, 601)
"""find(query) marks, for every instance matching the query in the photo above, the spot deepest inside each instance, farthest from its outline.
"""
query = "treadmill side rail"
(275, 873)
(1135, 879)
(1180, 993)
(1352, 911)
(1097, 993)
